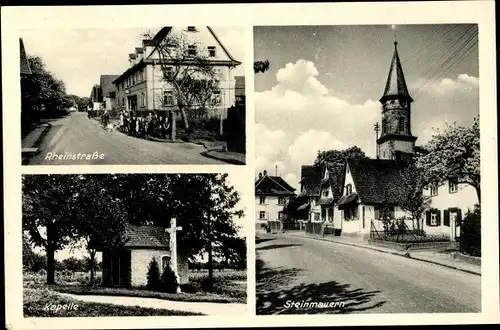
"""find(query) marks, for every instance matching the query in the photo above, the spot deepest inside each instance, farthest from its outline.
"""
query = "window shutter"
(428, 218)
(438, 218)
(459, 217)
(446, 221)
(267, 215)
(377, 214)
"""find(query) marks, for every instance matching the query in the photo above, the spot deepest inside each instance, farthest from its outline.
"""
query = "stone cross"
(173, 248)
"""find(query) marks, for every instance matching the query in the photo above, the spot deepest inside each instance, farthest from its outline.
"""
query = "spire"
(396, 84)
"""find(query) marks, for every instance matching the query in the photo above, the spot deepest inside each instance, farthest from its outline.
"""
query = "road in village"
(296, 269)
(76, 133)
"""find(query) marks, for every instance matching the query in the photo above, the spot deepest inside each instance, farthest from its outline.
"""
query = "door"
(453, 225)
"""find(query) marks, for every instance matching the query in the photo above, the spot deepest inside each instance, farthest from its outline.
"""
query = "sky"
(324, 83)
(244, 223)
(80, 56)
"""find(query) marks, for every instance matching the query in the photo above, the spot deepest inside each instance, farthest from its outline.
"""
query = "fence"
(470, 236)
(314, 228)
(235, 129)
(291, 226)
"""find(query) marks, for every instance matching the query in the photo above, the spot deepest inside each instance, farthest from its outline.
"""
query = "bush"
(169, 282)
(470, 233)
(154, 282)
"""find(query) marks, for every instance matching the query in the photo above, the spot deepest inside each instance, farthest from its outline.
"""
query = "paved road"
(77, 134)
(206, 308)
(295, 269)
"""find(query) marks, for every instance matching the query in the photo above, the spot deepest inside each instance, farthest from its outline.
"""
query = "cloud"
(299, 116)
(463, 83)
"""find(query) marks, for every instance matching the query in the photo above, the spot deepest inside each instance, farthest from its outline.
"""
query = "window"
(192, 28)
(433, 219)
(165, 262)
(323, 215)
(281, 200)
(211, 51)
(453, 186)
(217, 98)
(169, 71)
(434, 189)
(401, 125)
(168, 98)
(325, 193)
(280, 215)
(384, 212)
(351, 213)
(348, 189)
(262, 200)
(262, 215)
(192, 50)
(317, 216)
(143, 100)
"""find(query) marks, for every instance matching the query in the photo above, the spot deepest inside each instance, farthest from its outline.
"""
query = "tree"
(338, 157)
(454, 153)
(47, 206)
(260, 66)
(169, 280)
(189, 72)
(153, 276)
(409, 195)
(99, 218)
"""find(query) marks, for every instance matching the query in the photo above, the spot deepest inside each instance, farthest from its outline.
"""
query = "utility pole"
(376, 128)
(276, 166)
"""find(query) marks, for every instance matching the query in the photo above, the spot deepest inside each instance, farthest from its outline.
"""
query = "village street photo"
(133, 245)
(152, 95)
(367, 178)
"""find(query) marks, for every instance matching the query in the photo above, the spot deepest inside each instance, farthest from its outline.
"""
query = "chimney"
(265, 172)
(260, 175)
(132, 59)
(147, 46)
(139, 54)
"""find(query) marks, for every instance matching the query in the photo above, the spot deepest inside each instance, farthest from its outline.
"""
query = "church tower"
(396, 141)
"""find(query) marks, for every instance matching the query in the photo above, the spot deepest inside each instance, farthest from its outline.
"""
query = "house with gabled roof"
(369, 185)
(128, 266)
(24, 64)
(331, 189)
(310, 187)
(271, 195)
(141, 88)
(108, 90)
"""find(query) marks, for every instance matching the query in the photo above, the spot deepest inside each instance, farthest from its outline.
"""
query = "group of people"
(152, 125)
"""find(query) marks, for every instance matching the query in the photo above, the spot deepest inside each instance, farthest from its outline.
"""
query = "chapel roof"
(146, 237)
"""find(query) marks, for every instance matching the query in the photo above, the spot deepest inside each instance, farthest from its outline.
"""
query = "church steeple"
(395, 86)
(396, 140)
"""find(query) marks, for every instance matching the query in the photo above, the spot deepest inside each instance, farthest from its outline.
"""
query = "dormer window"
(348, 189)
(192, 28)
(211, 51)
(192, 50)
(453, 186)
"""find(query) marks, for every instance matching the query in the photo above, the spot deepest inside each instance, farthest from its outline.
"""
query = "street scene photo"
(367, 174)
(152, 95)
(133, 245)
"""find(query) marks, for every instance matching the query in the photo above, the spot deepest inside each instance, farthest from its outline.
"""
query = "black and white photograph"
(133, 245)
(368, 172)
(152, 95)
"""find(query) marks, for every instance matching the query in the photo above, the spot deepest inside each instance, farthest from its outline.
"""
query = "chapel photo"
(133, 244)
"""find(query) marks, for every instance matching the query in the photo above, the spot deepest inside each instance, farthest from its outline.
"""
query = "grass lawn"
(229, 287)
(37, 301)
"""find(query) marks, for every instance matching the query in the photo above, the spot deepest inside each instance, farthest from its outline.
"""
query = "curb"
(34, 148)
(394, 253)
(226, 160)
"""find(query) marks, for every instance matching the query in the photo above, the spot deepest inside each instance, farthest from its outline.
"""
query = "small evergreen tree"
(169, 281)
(154, 283)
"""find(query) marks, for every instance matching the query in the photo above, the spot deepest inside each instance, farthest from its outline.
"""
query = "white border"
(248, 15)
